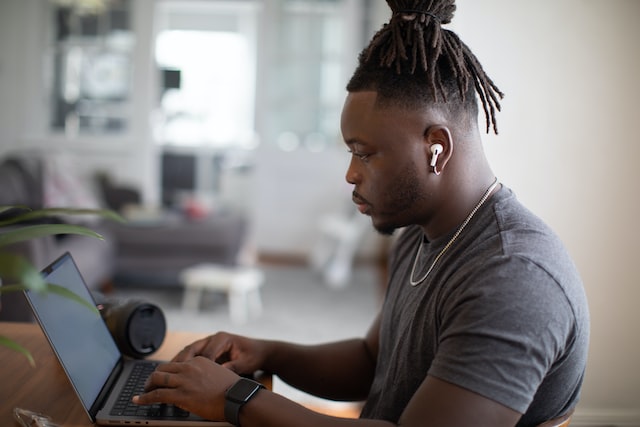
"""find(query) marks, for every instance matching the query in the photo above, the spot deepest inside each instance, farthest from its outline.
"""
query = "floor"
(297, 307)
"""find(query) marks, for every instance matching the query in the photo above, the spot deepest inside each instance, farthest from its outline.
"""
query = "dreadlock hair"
(412, 61)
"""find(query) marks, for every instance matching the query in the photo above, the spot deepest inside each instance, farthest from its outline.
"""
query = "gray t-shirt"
(503, 314)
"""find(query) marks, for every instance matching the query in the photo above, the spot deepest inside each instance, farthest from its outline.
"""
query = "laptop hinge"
(106, 389)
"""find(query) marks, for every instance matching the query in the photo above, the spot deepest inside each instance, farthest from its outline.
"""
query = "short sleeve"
(502, 331)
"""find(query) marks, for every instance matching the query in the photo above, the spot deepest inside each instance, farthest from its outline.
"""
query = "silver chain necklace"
(453, 239)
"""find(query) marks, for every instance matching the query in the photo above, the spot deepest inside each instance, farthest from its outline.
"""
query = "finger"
(216, 347)
(230, 366)
(190, 351)
(222, 354)
(161, 379)
(171, 367)
(233, 365)
(159, 395)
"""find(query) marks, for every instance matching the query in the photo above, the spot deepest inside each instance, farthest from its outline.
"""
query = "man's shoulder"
(522, 231)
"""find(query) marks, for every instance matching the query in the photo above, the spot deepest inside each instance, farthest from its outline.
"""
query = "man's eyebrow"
(354, 141)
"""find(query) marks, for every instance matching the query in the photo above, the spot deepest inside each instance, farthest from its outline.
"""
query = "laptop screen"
(78, 335)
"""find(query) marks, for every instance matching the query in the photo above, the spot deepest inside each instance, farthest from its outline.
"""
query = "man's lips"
(362, 204)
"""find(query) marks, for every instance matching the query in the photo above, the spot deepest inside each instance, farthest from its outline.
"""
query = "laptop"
(98, 372)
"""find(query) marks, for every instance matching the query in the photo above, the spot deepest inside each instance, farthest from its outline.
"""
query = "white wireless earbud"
(436, 149)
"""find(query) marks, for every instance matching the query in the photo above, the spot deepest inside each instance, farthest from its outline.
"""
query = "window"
(207, 52)
(92, 66)
(304, 50)
(306, 89)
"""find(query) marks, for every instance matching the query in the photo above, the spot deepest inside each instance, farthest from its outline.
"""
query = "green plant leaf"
(50, 212)
(18, 274)
(15, 270)
(17, 347)
(54, 289)
(34, 231)
(64, 292)
(8, 208)
(12, 288)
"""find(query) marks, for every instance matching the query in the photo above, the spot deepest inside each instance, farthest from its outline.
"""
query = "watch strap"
(237, 396)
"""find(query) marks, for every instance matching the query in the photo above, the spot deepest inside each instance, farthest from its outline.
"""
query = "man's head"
(413, 62)
(415, 86)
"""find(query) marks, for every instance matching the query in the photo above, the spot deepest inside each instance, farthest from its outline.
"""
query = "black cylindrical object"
(137, 327)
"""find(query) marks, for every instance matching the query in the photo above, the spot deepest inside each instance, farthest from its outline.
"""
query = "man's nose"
(353, 175)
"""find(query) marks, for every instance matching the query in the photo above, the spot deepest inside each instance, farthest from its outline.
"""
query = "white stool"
(241, 284)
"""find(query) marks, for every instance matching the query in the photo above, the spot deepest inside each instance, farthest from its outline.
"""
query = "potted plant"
(17, 273)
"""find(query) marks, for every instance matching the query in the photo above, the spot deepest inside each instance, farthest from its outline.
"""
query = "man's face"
(389, 165)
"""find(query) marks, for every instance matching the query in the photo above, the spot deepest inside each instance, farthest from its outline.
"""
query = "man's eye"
(361, 156)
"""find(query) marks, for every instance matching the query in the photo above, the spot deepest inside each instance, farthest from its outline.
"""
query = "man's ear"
(439, 145)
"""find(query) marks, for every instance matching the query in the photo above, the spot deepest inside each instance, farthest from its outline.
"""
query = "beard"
(399, 202)
(385, 230)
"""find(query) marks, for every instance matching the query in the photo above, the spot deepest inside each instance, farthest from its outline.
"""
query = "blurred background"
(203, 107)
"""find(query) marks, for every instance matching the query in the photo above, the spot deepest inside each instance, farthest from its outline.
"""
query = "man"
(485, 321)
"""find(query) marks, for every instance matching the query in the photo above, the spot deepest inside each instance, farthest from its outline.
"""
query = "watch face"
(242, 390)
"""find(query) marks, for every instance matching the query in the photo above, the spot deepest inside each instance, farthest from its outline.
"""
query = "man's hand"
(239, 354)
(197, 385)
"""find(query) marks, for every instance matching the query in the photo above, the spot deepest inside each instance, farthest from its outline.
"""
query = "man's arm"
(199, 386)
(440, 403)
(436, 403)
(340, 371)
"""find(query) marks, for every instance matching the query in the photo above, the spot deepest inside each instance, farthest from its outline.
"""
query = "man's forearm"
(269, 409)
(339, 371)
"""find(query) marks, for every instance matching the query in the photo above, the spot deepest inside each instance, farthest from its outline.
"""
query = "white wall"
(569, 148)
(11, 72)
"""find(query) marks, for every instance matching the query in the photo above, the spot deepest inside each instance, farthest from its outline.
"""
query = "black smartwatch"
(237, 395)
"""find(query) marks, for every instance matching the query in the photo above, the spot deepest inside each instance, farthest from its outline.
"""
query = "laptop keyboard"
(135, 385)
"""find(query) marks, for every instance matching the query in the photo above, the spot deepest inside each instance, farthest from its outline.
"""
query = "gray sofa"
(21, 185)
(154, 253)
(134, 253)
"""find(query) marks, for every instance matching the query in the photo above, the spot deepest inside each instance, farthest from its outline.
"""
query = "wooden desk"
(45, 388)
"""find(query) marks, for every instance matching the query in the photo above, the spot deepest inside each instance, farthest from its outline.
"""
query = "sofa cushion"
(21, 185)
